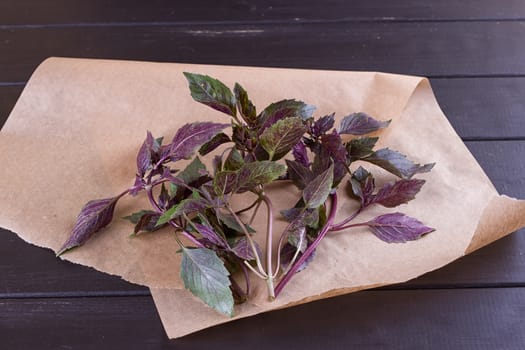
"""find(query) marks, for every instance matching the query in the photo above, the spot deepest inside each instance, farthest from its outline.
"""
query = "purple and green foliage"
(218, 242)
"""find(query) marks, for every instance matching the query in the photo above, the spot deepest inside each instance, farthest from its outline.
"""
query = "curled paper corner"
(502, 216)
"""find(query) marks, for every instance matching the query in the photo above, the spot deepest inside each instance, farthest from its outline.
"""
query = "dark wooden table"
(474, 53)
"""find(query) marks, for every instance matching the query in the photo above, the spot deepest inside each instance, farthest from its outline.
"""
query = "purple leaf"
(322, 160)
(279, 138)
(144, 220)
(209, 234)
(360, 124)
(397, 163)
(284, 109)
(144, 157)
(316, 192)
(245, 106)
(297, 234)
(216, 141)
(95, 215)
(243, 249)
(164, 197)
(363, 186)
(309, 216)
(323, 124)
(299, 174)
(148, 223)
(397, 193)
(191, 136)
(333, 143)
(211, 92)
(137, 186)
(165, 151)
(339, 173)
(287, 253)
(397, 228)
(300, 154)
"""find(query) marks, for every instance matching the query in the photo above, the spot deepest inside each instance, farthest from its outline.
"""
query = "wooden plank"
(118, 11)
(27, 270)
(430, 49)
(503, 163)
(420, 319)
(8, 97)
(483, 108)
(478, 108)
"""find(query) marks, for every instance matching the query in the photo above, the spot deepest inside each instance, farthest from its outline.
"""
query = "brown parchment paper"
(74, 133)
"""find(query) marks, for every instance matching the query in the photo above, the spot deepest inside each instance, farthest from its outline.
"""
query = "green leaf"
(135, 217)
(192, 172)
(361, 147)
(190, 175)
(231, 223)
(317, 191)
(245, 106)
(186, 206)
(234, 161)
(204, 274)
(211, 92)
(323, 218)
(279, 138)
(224, 182)
(173, 190)
(258, 173)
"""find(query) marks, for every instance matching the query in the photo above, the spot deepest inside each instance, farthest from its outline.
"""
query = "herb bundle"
(217, 245)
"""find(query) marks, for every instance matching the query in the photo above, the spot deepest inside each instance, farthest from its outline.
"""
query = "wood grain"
(8, 97)
(420, 319)
(478, 43)
(483, 108)
(118, 11)
(421, 48)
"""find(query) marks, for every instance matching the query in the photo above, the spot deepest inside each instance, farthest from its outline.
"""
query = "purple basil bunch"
(216, 241)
